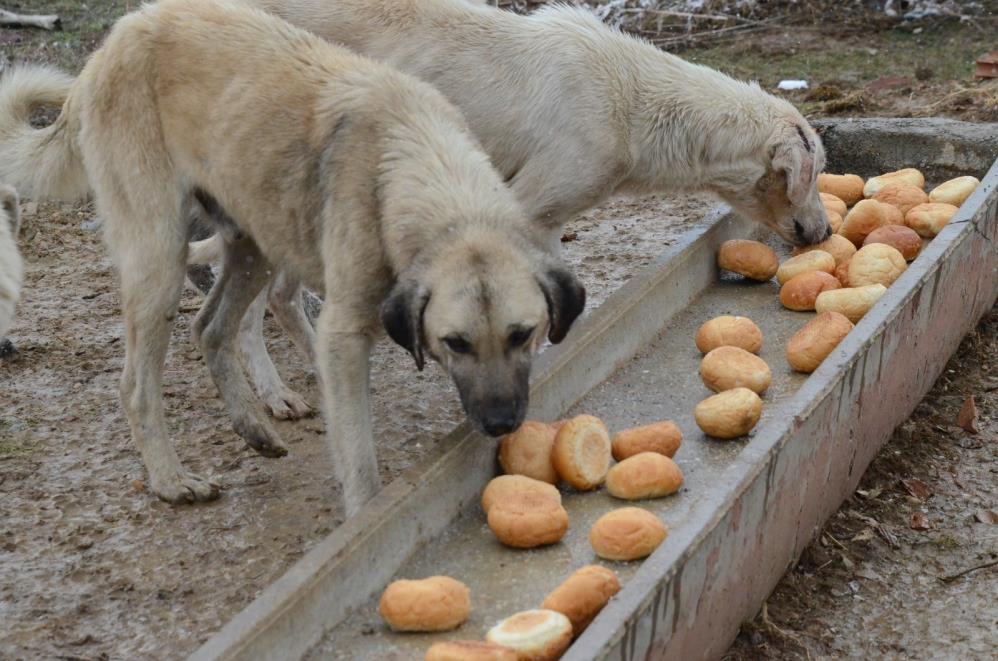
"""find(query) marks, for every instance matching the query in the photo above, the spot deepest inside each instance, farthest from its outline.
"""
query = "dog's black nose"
(828, 231)
(799, 230)
(498, 425)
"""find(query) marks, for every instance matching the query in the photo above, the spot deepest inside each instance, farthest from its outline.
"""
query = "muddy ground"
(92, 566)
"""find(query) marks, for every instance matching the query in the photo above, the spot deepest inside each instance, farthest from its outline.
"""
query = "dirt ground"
(92, 566)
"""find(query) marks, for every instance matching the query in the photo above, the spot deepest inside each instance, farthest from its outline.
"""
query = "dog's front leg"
(344, 351)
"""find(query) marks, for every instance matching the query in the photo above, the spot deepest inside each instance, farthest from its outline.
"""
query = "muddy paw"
(288, 405)
(261, 437)
(184, 487)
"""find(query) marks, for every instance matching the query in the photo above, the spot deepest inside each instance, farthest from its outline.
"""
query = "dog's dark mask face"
(484, 329)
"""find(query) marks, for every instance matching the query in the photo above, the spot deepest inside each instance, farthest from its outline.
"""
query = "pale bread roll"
(900, 237)
(955, 191)
(802, 290)
(853, 302)
(814, 260)
(469, 650)
(527, 451)
(729, 331)
(645, 475)
(834, 219)
(662, 437)
(751, 259)
(437, 603)
(506, 485)
(583, 595)
(527, 520)
(729, 414)
(816, 340)
(846, 187)
(628, 533)
(907, 176)
(877, 263)
(582, 452)
(930, 218)
(902, 196)
(867, 216)
(536, 635)
(833, 203)
(842, 274)
(836, 245)
(725, 368)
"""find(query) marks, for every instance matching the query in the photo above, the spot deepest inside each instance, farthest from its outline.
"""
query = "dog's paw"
(288, 405)
(183, 487)
(261, 437)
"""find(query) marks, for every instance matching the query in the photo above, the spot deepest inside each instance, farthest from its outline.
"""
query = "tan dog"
(361, 181)
(572, 111)
(10, 258)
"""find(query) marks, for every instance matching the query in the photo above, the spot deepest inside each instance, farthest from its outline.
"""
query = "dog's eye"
(519, 337)
(457, 344)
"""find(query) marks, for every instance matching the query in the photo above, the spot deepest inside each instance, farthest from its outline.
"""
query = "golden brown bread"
(582, 452)
(814, 260)
(645, 475)
(877, 263)
(834, 219)
(907, 176)
(842, 273)
(900, 237)
(833, 203)
(627, 533)
(527, 451)
(811, 344)
(846, 187)
(506, 485)
(836, 245)
(536, 635)
(955, 191)
(801, 291)
(748, 258)
(853, 302)
(930, 218)
(469, 650)
(437, 603)
(902, 196)
(662, 437)
(527, 520)
(583, 595)
(867, 216)
(729, 331)
(729, 414)
(725, 368)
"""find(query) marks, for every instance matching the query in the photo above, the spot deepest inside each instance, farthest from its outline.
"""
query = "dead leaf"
(917, 488)
(569, 236)
(849, 564)
(967, 418)
(138, 485)
(864, 535)
(986, 516)
(919, 521)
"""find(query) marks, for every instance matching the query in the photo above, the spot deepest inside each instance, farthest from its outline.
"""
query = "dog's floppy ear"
(10, 204)
(402, 316)
(566, 299)
(795, 157)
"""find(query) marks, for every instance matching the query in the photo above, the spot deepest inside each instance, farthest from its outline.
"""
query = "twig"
(684, 14)
(30, 21)
(953, 577)
(768, 623)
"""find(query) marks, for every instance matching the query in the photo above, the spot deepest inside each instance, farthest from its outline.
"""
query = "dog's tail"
(206, 252)
(40, 162)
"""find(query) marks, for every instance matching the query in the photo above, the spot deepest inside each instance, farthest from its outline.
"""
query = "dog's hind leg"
(244, 273)
(282, 402)
(284, 297)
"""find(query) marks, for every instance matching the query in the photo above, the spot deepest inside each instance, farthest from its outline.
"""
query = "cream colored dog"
(10, 258)
(361, 181)
(572, 111)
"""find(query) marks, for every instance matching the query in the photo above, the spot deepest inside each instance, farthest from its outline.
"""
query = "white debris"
(792, 85)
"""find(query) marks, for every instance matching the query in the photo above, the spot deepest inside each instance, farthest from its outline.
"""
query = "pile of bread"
(524, 510)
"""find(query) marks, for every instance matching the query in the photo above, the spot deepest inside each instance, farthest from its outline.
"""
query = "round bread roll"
(729, 331)
(505, 485)
(900, 237)
(812, 343)
(846, 187)
(469, 650)
(955, 191)
(437, 603)
(877, 263)
(814, 260)
(527, 451)
(833, 203)
(662, 437)
(836, 245)
(834, 219)
(867, 216)
(801, 291)
(582, 452)
(536, 635)
(527, 520)
(645, 475)
(930, 218)
(627, 533)
(748, 258)
(853, 302)
(730, 414)
(907, 176)
(583, 595)
(725, 368)
(842, 273)
(902, 196)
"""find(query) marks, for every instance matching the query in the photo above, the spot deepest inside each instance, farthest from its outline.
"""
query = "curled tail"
(40, 163)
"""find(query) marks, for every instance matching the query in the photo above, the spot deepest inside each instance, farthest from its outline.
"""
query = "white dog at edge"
(10, 258)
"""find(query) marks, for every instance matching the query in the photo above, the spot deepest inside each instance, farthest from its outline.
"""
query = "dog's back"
(10, 258)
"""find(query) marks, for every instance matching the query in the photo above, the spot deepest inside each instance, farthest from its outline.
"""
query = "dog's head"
(10, 210)
(776, 182)
(482, 308)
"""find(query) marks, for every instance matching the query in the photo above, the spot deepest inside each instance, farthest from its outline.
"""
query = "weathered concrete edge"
(689, 598)
(355, 561)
